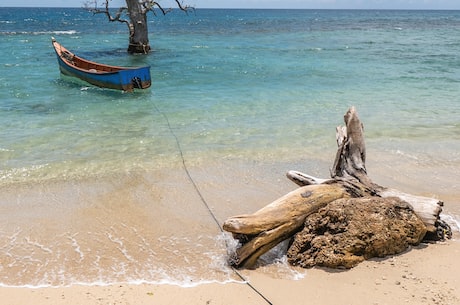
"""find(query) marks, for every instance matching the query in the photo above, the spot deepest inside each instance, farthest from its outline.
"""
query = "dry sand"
(427, 274)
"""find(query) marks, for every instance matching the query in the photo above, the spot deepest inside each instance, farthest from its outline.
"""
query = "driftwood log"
(281, 219)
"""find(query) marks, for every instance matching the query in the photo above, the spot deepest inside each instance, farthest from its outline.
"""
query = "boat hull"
(105, 76)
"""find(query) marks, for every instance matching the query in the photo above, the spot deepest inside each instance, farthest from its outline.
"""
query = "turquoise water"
(247, 85)
(231, 82)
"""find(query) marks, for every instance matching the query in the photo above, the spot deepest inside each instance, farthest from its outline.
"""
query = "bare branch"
(150, 5)
(183, 7)
(112, 18)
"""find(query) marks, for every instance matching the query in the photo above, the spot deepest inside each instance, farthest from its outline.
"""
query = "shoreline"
(426, 274)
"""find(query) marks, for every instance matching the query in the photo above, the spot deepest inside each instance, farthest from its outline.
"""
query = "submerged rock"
(349, 231)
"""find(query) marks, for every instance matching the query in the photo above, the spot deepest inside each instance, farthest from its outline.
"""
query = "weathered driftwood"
(261, 231)
(428, 209)
(350, 162)
(281, 219)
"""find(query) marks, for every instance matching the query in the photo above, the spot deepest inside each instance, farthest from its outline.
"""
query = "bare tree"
(134, 15)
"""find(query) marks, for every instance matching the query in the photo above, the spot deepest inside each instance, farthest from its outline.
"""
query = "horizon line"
(272, 8)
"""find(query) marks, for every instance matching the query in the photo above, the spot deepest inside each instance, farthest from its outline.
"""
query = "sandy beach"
(427, 274)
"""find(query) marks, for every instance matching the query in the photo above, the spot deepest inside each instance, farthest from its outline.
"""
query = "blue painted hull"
(105, 76)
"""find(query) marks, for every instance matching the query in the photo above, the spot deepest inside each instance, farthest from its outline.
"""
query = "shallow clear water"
(253, 86)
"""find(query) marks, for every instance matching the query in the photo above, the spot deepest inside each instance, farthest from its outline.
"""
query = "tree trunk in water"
(138, 30)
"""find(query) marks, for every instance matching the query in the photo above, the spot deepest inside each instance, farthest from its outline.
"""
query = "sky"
(312, 4)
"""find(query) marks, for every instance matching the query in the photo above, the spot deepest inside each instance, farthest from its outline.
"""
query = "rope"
(189, 176)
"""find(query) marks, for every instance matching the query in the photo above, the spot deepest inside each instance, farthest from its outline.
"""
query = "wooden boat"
(105, 76)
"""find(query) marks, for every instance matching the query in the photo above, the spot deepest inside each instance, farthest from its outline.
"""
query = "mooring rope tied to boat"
(203, 200)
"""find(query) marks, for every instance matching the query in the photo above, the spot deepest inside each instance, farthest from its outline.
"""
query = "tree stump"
(283, 218)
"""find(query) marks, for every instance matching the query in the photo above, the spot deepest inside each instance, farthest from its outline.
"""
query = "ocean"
(100, 186)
